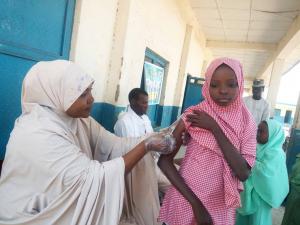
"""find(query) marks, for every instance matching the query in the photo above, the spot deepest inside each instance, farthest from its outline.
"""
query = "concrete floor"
(277, 215)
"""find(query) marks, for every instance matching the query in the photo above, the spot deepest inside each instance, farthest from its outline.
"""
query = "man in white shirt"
(141, 203)
(258, 107)
(134, 122)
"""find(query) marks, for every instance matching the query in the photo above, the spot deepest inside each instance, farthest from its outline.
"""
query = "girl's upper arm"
(178, 130)
(177, 133)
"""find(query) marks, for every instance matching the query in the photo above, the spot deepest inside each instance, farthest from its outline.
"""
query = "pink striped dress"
(204, 168)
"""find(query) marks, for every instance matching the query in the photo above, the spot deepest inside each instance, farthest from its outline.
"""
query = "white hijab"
(48, 174)
(55, 84)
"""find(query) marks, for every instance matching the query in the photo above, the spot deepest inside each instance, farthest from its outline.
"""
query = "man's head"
(138, 99)
(257, 89)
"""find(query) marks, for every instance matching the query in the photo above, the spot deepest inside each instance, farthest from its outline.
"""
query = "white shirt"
(130, 124)
(141, 204)
(259, 109)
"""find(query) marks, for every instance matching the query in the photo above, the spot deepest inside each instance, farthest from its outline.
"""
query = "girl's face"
(262, 133)
(82, 106)
(224, 86)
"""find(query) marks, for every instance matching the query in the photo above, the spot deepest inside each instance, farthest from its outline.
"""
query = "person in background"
(143, 184)
(61, 166)
(268, 184)
(134, 122)
(258, 106)
(292, 206)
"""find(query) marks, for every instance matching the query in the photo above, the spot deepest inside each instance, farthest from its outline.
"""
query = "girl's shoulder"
(190, 109)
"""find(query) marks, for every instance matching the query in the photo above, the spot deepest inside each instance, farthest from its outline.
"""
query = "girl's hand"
(202, 216)
(202, 120)
(185, 137)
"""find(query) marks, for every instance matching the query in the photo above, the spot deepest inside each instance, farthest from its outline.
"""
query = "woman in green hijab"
(267, 186)
(292, 209)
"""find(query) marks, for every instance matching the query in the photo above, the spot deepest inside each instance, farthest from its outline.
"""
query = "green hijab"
(268, 180)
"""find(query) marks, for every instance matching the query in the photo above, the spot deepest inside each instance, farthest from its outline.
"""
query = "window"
(152, 81)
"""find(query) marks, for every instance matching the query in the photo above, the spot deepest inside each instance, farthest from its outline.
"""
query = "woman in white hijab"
(61, 166)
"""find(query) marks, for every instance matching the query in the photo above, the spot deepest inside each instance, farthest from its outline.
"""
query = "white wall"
(195, 57)
(114, 55)
(159, 27)
(92, 39)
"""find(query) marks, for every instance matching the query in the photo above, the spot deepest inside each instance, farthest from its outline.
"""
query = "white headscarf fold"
(55, 84)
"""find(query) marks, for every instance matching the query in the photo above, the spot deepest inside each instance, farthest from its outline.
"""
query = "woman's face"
(82, 106)
(224, 86)
(262, 133)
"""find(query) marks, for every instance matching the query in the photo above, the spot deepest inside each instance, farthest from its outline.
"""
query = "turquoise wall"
(106, 114)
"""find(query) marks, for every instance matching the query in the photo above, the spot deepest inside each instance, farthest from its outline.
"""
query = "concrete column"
(274, 83)
(296, 123)
(182, 67)
(116, 56)
(204, 67)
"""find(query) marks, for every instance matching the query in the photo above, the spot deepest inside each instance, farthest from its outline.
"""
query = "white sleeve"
(120, 129)
(266, 112)
(107, 145)
(84, 190)
(110, 146)
(246, 101)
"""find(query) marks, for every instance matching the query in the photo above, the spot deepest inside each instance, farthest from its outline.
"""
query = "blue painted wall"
(168, 115)
(106, 114)
(30, 31)
(192, 92)
(280, 119)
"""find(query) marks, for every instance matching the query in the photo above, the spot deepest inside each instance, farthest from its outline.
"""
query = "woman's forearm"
(135, 155)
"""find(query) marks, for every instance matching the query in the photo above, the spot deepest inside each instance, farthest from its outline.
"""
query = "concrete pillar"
(182, 67)
(92, 39)
(274, 83)
(296, 123)
(204, 67)
(116, 57)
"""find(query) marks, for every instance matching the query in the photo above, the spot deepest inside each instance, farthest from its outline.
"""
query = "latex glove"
(185, 136)
(162, 142)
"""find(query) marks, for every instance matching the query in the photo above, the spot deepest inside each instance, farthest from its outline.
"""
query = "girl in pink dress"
(219, 155)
